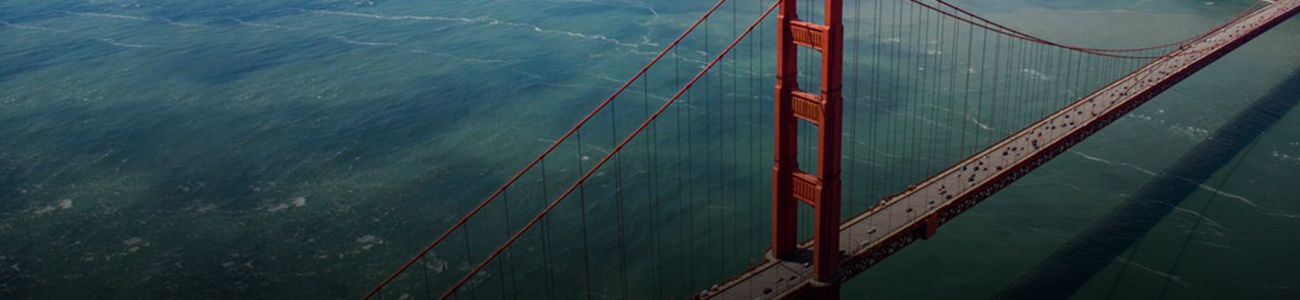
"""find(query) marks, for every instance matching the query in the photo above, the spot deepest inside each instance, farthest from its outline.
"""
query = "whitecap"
(433, 263)
(264, 25)
(184, 24)
(461, 58)
(1284, 214)
(355, 42)
(366, 239)
(7, 24)
(120, 44)
(111, 16)
(1284, 157)
(1191, 132)
(1158, 273)
(277, 207)
(1122, 164)
(1209, 221)
(1141, 116)
(981, 125)
(369, 241)
(1035, 74)
(1226, 194)
(44, 209)
(396, 18)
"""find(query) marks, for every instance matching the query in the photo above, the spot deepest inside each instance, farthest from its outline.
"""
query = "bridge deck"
(914, 214)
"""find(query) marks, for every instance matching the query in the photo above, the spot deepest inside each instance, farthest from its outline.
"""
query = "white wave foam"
(1215, 245)
(891, 40)
(432, 262)
(863, 160)
(461, 58)
(366, 239)
(111, 16)
(701, 63)
(945, 109)
(1155, 272)
(1191, 132)
(263, 25)
(369, 241)
(530, 75)
(120, 44)
(487, 20)
(1226, 194)
(1209, 221)
(397, 18)
(58, 205)
(611, 79)
(355, 42)
(293, 202)
(1121, 164)
(1284, 157)
(982, 125)
(1280, 213)
(1035, 74)
(7, 24)
(184, 24)
(649, 30)
(1145, 118)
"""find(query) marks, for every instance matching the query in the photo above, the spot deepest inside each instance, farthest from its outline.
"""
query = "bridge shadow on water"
(1074, 264)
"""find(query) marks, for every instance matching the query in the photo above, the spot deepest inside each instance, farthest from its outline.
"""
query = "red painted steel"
(826, 111)
(826, 227)
(615, 151)
(785, 225)
(823, 109)
(759, 278)
(548, 151)
(999, 28)
(1012, 32)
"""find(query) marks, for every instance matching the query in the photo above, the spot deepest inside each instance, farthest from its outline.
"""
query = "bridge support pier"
(824, 109)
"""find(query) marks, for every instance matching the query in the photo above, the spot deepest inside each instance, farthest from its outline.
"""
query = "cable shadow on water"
(1060, 275)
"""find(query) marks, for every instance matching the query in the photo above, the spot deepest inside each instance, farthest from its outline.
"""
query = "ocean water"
(304, 149)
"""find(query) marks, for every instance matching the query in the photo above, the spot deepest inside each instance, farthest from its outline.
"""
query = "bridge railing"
(929, 83)
(664, 188)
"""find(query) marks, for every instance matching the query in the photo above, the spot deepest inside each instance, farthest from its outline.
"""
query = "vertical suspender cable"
(652, 164)
(582, 209)
(606, 158)
(965, 106)
(618, 197)
(876, 106)
(993, 99)
(853, 117)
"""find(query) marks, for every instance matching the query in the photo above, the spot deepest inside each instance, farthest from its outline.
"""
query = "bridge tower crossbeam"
(823, 109)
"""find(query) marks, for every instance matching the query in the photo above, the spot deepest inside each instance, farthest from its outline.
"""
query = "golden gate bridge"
(939, 109)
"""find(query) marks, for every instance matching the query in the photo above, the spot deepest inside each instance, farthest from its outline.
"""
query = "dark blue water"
(303, 149)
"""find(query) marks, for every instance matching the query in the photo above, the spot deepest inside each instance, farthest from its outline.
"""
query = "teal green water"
(304, 149)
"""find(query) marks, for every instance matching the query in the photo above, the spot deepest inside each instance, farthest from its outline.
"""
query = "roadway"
(915, 214)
